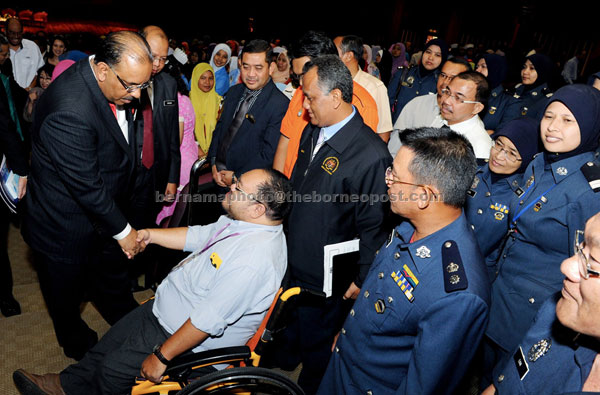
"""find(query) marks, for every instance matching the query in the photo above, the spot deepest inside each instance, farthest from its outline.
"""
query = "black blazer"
(165, 122)
(10, 141)
(256, 141)
(80, 171)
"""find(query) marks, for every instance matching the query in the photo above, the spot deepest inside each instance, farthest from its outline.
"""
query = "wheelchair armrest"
(205, 358)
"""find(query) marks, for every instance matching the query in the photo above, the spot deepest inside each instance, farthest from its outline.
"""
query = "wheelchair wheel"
(243, 380)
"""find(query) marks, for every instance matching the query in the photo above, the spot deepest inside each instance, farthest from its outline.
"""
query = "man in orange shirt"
(311, 45)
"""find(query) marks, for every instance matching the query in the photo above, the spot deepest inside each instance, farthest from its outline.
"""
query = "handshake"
(135, 242)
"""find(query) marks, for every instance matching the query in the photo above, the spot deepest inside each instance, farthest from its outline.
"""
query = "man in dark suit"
(247, 133)
(341, 166)
(13, 149)
(82, 164)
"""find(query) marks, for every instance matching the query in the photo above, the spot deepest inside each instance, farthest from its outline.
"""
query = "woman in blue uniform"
(533, 89)
(495, 183)
(494, 67)
(406, 84)
(558, 197)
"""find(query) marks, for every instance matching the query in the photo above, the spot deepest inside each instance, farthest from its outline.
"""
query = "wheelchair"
(244, 375)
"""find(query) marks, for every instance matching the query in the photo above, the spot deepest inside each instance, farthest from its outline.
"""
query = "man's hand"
(352, 292)
(153, 369)
(217, 176)
(130, 246)
(33, 96)
(226, 177)
(170, 192)
(144, 237)
(22, 187)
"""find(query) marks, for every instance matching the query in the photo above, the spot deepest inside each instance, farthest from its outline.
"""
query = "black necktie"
(231, 132)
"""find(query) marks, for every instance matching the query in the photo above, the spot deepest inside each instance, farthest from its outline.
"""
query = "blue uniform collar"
(513, 180)
(430, 245)
(564, 168)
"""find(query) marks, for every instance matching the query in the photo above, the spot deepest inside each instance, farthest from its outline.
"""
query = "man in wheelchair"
(216, 297)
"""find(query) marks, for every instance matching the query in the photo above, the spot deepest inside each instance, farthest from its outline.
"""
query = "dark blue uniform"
(531, 103)
(548, 360)
(557, 201)
(419, 318)
(487, 209)
(500, 108)
(402, 90)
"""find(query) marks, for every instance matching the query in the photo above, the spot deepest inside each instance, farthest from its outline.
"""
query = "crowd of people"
(473, 199)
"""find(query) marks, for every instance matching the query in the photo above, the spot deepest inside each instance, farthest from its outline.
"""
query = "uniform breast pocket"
(387, 308)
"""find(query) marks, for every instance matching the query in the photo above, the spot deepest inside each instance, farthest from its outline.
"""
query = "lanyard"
(211, 242)
(534, 201)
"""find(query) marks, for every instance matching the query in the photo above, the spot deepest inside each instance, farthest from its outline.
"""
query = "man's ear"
(272, 67)
(478, 108)
(101, 71)
(258, 210)
(347, 56)
(336, 95)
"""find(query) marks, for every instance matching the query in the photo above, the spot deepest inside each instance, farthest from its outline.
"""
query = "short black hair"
(332, 74)
(117, 44)
(460, 60)
(258, 46)
(353, 44)
(444, 159)
(174, 71)
(483, 87)
(313, 44)
(275, 194)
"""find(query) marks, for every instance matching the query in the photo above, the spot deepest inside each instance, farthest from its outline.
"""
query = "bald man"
(78, 188)
(25, 55)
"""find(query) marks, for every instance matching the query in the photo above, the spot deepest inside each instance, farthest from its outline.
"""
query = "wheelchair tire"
(243, 379)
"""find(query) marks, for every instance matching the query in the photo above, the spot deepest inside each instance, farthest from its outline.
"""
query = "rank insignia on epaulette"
(591, 172)
(404, 285)
(455, 277)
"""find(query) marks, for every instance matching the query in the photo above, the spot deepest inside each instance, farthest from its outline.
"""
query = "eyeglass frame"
(445, 91)
(161, 59)
(236, 181)
(502, 148)
(585, 269)
(388, 179)
(132, 88)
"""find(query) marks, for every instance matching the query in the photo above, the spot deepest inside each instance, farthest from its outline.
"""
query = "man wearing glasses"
(423, 308)
(462, 100)
(78, 188)
(216, 297)
(559, 353)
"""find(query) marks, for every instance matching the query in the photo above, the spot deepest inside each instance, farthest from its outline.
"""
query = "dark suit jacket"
(165, 126)
(255, 143)
(10, 141)
(80, 171)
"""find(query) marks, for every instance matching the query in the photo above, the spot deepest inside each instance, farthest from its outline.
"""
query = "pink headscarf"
(398, 60)
(60, 67)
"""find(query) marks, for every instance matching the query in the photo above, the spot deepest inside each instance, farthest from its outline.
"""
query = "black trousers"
(101, 278)
(6, 280)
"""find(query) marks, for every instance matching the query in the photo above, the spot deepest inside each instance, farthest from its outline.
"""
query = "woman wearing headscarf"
(385, 66)
(496, 182)
(398, 52)
(411, 82)
(533, 89)
(494, 67)
(546, 217)
(281, 74)
(220, 58)
(206, 104)
(370, 66)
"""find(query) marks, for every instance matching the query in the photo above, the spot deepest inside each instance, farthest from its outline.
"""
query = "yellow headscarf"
(206, 107)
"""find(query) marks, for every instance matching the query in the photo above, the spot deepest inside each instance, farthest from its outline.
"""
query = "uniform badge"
(529, 181)
(521, 363)
(390, 239)
(537, 207)
(524, 111)
(454, 279)
(330, 164)
(493, 110)
(452, 267)
(539, 349)
(500, 210)
(499, 216)
(534, 93)
(515, 183)
(380, 306)
(215, 260)
(404, 285)
(494, 94)
(410, 277)
(475, 183)
(423, 252)
(562, 171)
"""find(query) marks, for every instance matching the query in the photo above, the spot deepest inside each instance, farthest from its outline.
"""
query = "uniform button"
(397, 255)
(337, 350)
(390, 299)
(531, 300)
(343, 331)
(352, 312)
(501, 378)
(369, 392)
(366, 294)
(480, 211)
(376, 252)
(473, 227)
(504, 256)
(487, 194)
(447, 244)
(417, 93)
(380, 275)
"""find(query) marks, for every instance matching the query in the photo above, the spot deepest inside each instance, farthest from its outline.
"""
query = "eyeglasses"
(160, 59)
(456, 98)
(585, 267)
(130, 88)
(237, 187)
(445, 76)
(500, 148)
(389, 179)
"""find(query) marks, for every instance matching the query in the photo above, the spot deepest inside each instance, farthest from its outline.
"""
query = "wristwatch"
(161, 358)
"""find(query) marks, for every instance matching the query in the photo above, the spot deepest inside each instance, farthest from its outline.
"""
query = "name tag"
(169, 103)
(521, 364)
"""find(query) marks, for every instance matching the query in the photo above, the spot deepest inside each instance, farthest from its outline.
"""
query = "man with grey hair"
(82, 163)
(424, 307)
(339, 161)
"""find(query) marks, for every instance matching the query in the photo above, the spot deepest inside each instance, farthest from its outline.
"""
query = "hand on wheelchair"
(153, 369)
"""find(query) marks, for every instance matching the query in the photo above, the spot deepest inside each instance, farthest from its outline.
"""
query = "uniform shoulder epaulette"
(535, 156)
(455, 277)
(591, 172)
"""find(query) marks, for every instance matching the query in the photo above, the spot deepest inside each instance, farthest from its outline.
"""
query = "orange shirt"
(296, 119)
